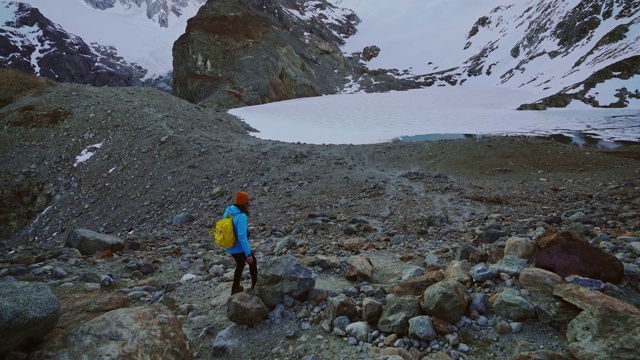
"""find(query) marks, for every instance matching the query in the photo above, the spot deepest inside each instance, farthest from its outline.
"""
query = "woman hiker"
(241, 251)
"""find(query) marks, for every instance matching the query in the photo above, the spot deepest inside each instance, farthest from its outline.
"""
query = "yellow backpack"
(224, 232)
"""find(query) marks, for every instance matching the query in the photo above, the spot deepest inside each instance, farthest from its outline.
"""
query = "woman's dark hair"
(244, 208)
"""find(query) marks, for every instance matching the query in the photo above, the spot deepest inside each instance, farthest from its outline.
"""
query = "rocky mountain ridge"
(592, 44)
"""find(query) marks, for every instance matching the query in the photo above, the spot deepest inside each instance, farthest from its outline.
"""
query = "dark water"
(436, 137)
(577, 138)
(618, 124)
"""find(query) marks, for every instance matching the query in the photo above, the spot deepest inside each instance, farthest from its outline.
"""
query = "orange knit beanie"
(242, 198)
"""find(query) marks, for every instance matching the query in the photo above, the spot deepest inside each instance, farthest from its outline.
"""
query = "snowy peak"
(549, 46)
(33, 44)
(159, 11)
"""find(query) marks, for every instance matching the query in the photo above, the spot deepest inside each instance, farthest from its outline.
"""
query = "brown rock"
(440, 355)
(361, 268)
(22, 259)
(389, 340)
(447, 299)
(589, 299)
(151, 332)
(416, 286)
(503, 328)
(458, 271)
(552, 238)
(246, 309)
(583, 259)
(442, 327)
(407, 257)
(79, 308)
(496, 254)
(353, 244)
(539, 280)
(371, 310)
(520, 247)
(375, 353)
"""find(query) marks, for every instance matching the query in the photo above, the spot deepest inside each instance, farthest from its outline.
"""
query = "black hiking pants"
(241, 259)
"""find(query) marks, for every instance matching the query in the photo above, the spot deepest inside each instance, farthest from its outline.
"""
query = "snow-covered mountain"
(159, 11)
(31, 43)
(140, 31)
(586, 50)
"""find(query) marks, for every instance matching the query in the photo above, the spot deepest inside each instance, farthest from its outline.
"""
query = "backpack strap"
(233, 221)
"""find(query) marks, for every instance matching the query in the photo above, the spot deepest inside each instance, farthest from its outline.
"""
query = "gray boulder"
(282, 276)
(511, 305)
(90, 242)
(359, 330)
(396, 314)
(421, 327)
(224, 341)
(510, 264)
(371, 310)
(28, 312)
(341, 305)
(447, 300)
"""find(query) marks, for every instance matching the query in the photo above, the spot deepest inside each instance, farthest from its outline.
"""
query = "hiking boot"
(235, 290)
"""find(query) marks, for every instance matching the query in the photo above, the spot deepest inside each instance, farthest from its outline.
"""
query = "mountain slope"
(556, 46)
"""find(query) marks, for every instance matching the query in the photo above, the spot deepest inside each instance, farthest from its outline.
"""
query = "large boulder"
(90, 242)
(28, 312)
(280, 276)
(510, 304)
(149, 332)
(246, 309)
(447, 300)
(396, 314)
(341, 305)
(567, 253)
(360, 268)
(521, 247)
(540, 283)
(607, 328)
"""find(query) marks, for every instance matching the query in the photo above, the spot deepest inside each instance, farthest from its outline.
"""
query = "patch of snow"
(605, 92)
(86, 154)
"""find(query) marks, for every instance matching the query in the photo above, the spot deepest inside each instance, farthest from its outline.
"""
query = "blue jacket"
(241, 227)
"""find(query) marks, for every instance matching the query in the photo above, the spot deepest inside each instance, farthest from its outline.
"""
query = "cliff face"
(239, 52)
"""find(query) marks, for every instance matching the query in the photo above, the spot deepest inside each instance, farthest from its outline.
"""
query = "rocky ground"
(164, 169)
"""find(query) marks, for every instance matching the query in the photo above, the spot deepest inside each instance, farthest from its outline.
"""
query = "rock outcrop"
(239, 52)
